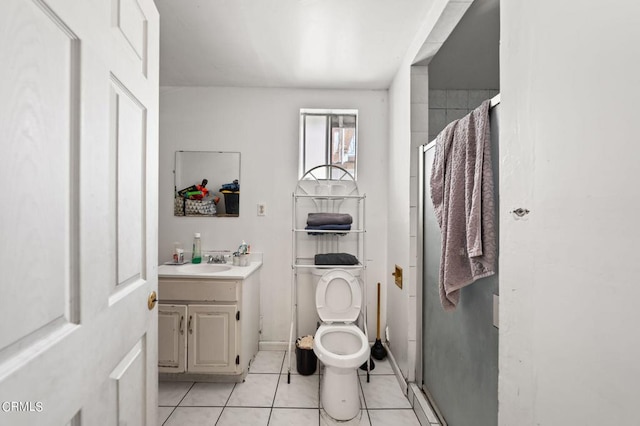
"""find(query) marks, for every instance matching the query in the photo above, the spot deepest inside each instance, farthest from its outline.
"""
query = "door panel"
(128, 386)
(460, 348)
(212, 345)
(70, 337)
(128, 130)
(172, 343)
(37, 173)
(131, 21)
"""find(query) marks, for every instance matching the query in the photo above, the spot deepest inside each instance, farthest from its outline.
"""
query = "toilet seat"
(347, 348)
(338, 297)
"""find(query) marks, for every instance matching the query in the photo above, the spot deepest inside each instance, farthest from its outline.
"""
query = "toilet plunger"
(378, 351)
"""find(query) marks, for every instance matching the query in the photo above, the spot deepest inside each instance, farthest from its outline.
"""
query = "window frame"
(329, 113)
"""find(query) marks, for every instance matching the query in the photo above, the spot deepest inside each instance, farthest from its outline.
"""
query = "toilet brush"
(377, 350)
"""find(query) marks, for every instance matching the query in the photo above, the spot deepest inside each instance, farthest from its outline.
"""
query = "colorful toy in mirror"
(195, 192)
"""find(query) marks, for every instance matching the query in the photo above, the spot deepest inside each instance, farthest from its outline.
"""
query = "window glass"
(328, 137)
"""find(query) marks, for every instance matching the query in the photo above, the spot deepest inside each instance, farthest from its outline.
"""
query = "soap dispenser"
(196, 254)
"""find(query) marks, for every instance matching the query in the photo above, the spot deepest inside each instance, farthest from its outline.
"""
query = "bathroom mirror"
(220, 196)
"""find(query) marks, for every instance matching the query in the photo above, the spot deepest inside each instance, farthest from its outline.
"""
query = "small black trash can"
(231, 202)
(306, 360)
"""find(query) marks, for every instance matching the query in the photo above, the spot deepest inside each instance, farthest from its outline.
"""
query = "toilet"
(340, 344)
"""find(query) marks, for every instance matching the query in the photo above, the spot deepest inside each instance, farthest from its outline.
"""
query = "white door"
(172, 339)
(211, 344)
(78, 227)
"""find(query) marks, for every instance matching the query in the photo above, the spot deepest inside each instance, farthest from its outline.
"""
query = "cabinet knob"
(151, 302)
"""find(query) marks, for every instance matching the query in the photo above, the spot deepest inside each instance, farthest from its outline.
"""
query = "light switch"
(262, 209)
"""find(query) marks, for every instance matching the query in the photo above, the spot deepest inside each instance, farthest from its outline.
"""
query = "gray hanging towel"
(462, 195)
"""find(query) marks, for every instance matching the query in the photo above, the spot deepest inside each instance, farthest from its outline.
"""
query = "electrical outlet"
(262, 209)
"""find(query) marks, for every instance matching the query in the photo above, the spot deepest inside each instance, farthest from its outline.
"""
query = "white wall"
(408, 117)
(398, 238)
(263, 124)
(569, 338)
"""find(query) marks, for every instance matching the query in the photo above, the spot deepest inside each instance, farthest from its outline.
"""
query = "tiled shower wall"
(448, 105)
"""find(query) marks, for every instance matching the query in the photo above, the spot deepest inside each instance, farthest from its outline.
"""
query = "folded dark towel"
(332, 227)
(317, 219)
(336, 259)
(230, 187)
(339, 229)
(233, 186)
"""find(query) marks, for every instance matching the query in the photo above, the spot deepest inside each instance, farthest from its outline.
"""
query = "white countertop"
(234, 272)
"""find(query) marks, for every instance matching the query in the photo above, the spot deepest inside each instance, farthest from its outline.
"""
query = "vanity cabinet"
(197, 338)
(172, 343)
(207, 327)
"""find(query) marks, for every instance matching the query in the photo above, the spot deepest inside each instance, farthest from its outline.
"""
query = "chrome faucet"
(215, 259)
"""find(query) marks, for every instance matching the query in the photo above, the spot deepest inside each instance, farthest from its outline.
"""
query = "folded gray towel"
(336, 259)
(317, 219)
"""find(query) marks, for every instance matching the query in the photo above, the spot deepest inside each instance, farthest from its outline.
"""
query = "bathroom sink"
(202, 268)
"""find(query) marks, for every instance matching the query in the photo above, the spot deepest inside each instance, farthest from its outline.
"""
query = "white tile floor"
(265, 398)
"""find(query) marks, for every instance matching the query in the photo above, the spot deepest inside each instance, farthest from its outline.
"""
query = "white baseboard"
(274, 346)
(396, 370)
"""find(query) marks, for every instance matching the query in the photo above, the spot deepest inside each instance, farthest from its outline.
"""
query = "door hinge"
(237, 359)
(238, 316)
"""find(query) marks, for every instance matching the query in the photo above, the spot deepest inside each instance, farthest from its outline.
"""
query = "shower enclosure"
(459, 366)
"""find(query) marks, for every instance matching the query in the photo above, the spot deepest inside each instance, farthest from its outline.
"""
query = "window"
(328, 137)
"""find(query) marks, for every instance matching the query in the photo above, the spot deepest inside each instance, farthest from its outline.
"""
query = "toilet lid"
(338, 297)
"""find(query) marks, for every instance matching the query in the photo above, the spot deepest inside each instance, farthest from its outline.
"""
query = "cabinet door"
(172, 338)
(212, 339)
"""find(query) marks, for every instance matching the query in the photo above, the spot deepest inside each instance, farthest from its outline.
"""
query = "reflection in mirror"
(206, 183)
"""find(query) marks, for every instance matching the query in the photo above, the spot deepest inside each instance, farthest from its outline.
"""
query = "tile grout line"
(319, 384)
(225, 404)
(366, 408)
(273, 401)
(178, 404)
(185, 394)
(172, 410)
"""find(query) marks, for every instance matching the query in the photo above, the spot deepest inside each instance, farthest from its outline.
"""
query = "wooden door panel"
(128, 129)
(38, 173)
(131, 22)
(128, 386)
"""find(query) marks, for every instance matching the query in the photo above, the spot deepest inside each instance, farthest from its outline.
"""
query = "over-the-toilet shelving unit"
(326, 189)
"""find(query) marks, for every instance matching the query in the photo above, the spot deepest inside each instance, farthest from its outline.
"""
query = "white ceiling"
(335, 44)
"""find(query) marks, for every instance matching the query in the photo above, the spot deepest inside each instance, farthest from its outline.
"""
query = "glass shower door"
(459, 348)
